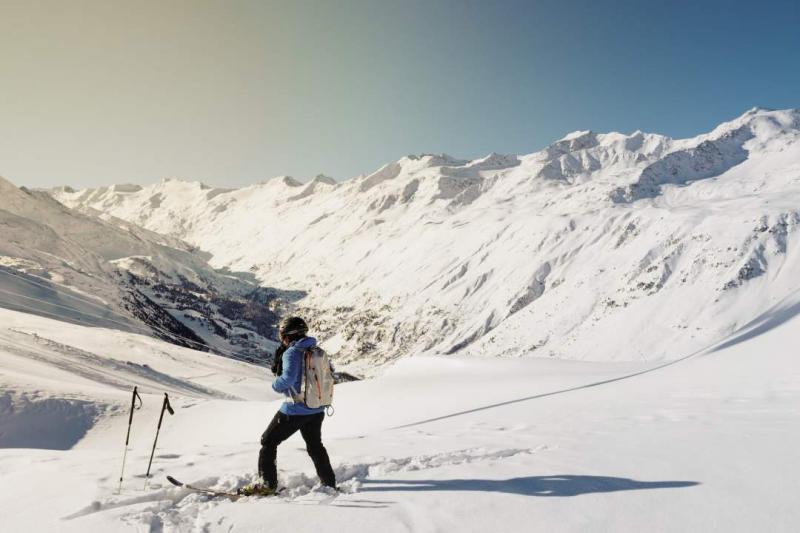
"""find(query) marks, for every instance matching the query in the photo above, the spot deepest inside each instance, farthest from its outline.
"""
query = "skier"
(293, 415)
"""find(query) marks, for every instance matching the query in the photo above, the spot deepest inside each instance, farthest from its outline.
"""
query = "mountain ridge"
(505, 254)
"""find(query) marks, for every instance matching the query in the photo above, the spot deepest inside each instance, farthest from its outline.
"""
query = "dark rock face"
(204, 316)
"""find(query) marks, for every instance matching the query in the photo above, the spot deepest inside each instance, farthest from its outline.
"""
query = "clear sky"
(233, 92)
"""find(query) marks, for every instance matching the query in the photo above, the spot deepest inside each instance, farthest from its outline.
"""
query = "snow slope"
(100, 270)
(595, 244)
(703, 443)
(56, 379)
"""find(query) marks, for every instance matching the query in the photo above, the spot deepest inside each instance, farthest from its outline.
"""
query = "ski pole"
(165, 406)
(128, 436)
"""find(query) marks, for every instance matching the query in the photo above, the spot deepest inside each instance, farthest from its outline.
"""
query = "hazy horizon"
(306, 179)
(230, 94)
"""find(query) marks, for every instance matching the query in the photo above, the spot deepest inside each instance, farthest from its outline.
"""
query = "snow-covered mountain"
(601, 246)
(103, 271)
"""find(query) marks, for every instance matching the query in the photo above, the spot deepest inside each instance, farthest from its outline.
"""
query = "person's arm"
(292, 367)
(277, 361)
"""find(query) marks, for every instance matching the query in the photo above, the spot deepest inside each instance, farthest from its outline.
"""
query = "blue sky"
(231, 93)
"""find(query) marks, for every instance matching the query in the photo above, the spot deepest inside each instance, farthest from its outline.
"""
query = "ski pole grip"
(167, 405)
(135, 396)
(133, 404)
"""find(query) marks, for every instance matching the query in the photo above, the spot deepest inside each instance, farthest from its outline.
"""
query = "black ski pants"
(281, 428)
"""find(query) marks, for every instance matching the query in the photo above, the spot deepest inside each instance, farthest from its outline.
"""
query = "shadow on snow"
(776, 316)
(551, 486)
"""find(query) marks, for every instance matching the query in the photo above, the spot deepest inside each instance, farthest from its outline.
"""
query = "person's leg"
(281, 428)
(312, 434)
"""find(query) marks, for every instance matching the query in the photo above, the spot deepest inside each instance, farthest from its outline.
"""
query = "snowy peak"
(278, 183)
(493, 161)
(126, 188)
(584, 155)
(758, 123)
(325, 180)
(416, 162)
(290, 181)
(386, 172)
(320, 183)
(577, 140)
(752, 136)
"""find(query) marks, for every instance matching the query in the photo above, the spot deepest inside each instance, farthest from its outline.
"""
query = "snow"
(703, 443)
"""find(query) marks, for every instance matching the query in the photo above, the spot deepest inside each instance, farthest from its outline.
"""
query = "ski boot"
(256, 489)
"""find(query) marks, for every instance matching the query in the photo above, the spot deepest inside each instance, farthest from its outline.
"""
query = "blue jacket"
(292, 377)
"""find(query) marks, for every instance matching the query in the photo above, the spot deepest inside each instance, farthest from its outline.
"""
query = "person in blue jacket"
(294, 415)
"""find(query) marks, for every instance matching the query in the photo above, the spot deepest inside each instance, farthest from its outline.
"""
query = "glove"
(277, 361)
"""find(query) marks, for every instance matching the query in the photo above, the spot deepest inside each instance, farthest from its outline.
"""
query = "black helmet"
(293, 326)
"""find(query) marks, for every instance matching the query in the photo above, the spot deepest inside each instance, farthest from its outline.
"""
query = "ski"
(204, 490)
(234, 495)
